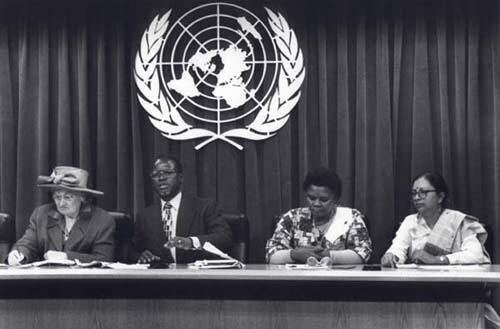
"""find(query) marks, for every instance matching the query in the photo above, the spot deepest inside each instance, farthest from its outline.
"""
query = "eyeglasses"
(422, 194)
(65, 197)
(156, 174)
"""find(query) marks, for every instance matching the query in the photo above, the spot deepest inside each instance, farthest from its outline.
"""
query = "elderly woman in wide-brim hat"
(69, 227)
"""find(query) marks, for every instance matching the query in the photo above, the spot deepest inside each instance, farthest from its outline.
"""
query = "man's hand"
(55, 255)
(179, 242)
(147, 257)
(389, 260)
(15, 257)
(300, 255)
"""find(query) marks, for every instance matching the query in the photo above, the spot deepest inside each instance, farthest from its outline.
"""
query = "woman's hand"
(15, 257)
(300, 255)
(389, 260)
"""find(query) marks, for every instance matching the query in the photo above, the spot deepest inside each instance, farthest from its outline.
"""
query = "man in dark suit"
(174, 229)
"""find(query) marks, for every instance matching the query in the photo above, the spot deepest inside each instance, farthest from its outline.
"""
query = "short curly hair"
(324, 177)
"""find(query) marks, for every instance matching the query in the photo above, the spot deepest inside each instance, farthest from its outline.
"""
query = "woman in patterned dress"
(322, 229)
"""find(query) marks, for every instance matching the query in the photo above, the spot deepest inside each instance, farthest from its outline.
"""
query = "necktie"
(166, 218)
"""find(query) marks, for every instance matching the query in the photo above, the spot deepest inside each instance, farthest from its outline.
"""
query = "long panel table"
(258, 296)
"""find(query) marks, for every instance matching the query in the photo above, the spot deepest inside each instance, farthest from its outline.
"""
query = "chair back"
(6, 235)
(240, 229)
(123, 235)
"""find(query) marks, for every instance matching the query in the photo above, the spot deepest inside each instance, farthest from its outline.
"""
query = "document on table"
(77, 264)
(226, 262)
(48, 263)
(115, 266)
(306, 267)
(472, 267)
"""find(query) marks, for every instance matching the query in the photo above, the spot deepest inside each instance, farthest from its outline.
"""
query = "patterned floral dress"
(296, 229)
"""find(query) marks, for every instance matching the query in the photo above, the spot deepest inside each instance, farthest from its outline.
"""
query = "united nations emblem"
(219, 73)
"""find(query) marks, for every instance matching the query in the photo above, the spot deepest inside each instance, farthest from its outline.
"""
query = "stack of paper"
(472, 267)
(227, 262)
(215, 263)
(49, 263)
(306, 267)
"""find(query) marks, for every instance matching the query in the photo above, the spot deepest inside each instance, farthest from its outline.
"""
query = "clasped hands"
(178, 242)
(301, 255)
(17, 258)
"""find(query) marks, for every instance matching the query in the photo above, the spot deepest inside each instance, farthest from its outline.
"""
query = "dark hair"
(166, 158)
(323, 177)
(436, 180)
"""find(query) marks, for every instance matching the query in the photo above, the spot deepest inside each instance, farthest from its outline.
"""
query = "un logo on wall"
(219, 73)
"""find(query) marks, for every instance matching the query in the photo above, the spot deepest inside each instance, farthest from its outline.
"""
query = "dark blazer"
(197, 217)
(91, 238)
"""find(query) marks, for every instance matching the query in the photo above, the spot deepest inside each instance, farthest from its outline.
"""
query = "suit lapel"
(55, 229)
(79, 230)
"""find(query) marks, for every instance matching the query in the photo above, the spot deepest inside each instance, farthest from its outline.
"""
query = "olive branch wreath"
(271, 117)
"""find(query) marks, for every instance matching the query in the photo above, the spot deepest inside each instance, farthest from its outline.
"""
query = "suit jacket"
(91, 238)
(197, 217)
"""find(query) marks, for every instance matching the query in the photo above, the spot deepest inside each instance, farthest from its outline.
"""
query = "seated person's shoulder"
(45, 207)
(458, 215)
(294, 215)
(411, 219)
(193, 198)
(41, 212)
(100, 213)
(199, 203)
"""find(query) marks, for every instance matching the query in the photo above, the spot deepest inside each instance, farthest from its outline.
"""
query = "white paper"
(306, 267)
(403, 266)
(452, 267)
(207, 246)
(122, 266)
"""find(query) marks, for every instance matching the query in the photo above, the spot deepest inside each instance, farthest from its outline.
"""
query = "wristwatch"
(442, 259)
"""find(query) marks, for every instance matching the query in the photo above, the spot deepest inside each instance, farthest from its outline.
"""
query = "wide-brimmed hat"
(67, 178)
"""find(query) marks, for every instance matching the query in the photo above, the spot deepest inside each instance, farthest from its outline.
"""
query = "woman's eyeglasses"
(422, 194)
(66, 197)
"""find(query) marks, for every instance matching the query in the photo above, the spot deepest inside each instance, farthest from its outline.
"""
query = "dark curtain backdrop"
(392, 88)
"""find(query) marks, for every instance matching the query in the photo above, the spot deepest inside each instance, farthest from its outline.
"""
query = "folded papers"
(77, 264)
(471, 267)
(227, 262)
(49, 263)
(115, 266)
(215, 263)
(306, 267)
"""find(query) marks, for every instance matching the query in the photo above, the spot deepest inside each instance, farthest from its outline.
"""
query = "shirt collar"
(175, 201)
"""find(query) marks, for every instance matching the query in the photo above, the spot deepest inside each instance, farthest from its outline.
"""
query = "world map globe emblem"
(217, 72)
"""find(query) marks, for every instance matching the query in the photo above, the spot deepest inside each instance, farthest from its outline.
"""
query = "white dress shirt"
(413, 233)
(175, 202)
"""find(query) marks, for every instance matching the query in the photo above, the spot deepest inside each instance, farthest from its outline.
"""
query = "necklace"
(319, 230)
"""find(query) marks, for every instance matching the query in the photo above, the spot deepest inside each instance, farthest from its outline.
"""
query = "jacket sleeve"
(28, 244)
(138, 245)
(218, 231)
(103, 245)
